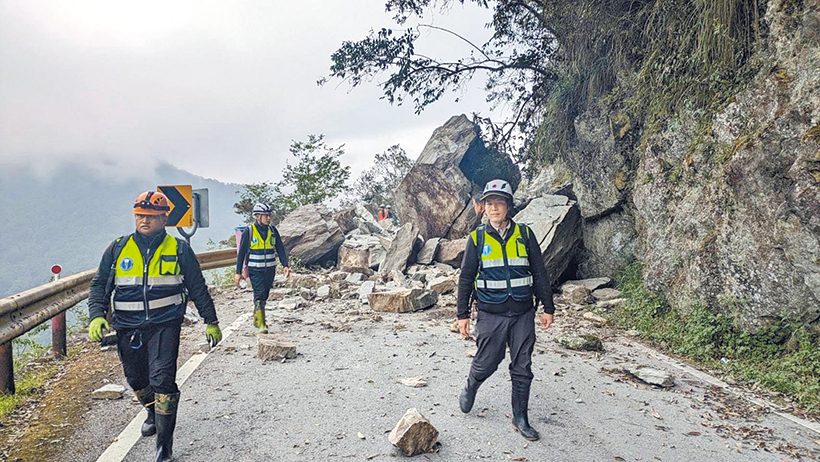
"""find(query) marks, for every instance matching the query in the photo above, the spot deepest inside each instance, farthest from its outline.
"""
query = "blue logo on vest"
(486, 250)
(126, 264)
(254, 240)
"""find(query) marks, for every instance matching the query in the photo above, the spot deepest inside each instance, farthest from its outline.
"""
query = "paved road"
(344, 382)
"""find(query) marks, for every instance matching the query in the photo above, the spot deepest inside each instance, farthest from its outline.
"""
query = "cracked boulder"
(454, 165)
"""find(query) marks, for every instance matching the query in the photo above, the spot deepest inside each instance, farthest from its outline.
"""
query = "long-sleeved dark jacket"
(99, 301)
(511, 307)
(246, 245)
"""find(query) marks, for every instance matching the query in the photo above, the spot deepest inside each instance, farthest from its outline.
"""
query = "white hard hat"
(497, 188)
(261, 208)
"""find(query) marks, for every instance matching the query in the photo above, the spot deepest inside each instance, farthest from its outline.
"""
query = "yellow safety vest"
(504, 267)
(262, 252)
(141, 286)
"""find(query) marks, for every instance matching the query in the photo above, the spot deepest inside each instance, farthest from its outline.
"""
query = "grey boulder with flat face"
(556, 222)
(452, 252)
(310, 234)
(427, 254)
(400, 250)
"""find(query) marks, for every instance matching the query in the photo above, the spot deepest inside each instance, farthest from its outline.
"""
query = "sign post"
(189, 208)
(58, 324)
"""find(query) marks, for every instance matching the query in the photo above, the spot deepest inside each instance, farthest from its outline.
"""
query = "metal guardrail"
(23, 312)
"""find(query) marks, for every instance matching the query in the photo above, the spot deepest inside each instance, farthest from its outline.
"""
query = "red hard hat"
(151, 203)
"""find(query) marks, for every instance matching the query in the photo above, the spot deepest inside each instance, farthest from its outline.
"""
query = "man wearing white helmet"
(503, 265)
(260, 245)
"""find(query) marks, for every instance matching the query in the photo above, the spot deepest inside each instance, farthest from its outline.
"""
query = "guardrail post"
(58, 344)
(6, 368)
(58, 334)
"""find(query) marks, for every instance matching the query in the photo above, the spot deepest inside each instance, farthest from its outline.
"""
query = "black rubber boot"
(146, 398)
(467, 397)
(166, 419)
(520, 402)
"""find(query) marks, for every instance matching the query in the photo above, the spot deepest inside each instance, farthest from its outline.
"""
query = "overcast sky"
(218, 88)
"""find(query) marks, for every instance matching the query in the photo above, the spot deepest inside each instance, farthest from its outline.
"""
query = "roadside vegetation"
(783, 356)
(33, 365)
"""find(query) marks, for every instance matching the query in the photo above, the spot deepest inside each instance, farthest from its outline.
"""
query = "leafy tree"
(251, 194)
(378, 183)
(318, 175)
(516, 61)
(550, 60)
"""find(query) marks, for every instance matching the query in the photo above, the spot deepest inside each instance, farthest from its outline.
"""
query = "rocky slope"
(721, 209)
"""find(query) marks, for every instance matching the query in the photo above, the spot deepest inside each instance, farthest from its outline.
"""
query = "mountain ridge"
(70, 215)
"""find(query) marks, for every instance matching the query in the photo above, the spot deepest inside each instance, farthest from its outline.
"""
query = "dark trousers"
(262, 280)
(154, 362)
(494, 333)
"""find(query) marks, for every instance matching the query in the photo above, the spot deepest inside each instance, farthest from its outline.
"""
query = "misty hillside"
(71, 216)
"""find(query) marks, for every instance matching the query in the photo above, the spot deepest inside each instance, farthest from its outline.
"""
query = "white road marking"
(128, 438)
(813, 426)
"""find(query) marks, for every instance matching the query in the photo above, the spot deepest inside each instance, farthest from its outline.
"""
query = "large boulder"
(455, 164)
(310, 234)
(402, 300)
(361, 251)
(452, 252)
(353, 257)
(556, 222)
(344, 218)
(599, 161)
(609, 245)
(400, 250)
(428, 251)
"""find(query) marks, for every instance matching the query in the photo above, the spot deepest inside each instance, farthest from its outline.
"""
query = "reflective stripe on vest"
(504, 268)
(158, 281)
(262, 252)
(152, 305)
(520, 282)
(138, 286)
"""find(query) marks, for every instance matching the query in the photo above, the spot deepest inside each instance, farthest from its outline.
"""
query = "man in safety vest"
(149, 275)
(503, 265)
(261, 244)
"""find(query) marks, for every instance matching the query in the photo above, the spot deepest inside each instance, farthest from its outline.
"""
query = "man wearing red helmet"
(504, 267)
(149, 276)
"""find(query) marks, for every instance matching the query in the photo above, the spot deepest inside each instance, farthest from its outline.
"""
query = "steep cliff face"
(722, 209)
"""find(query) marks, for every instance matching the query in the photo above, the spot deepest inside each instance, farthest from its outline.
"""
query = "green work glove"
(213, 334)
(95, 329)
